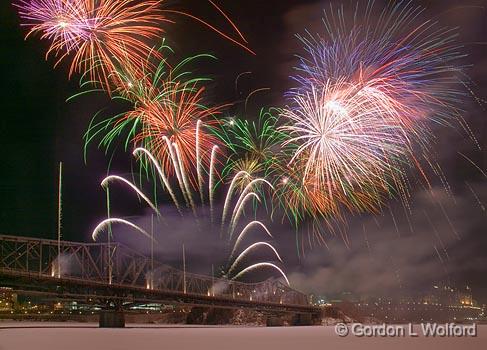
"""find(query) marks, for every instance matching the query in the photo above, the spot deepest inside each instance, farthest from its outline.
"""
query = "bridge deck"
(98, 271)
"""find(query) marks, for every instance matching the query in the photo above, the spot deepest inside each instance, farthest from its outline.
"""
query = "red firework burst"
(169, 128)
(99, 35)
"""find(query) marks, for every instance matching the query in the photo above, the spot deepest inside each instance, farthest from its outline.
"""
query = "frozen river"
(68, 336)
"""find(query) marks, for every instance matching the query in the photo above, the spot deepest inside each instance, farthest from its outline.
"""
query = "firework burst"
(253, 147)
(347, 139)
(168, 117)
(100, 36)
(361, 112)
(171, 122)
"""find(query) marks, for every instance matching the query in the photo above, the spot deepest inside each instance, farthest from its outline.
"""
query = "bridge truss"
(115, 271)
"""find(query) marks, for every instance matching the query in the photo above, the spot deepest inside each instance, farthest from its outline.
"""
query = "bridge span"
(116, 275)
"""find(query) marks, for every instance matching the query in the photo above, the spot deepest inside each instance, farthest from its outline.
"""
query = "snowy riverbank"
(75, 336)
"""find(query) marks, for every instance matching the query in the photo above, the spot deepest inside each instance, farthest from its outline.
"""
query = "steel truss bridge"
(114, 274)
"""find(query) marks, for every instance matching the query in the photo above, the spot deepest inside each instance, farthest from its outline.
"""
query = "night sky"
(39, 129)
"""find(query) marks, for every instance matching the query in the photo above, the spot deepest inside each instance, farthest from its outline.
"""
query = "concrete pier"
(302, 319)
(111, 319)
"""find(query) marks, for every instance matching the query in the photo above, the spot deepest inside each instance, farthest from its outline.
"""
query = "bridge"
(115, 275)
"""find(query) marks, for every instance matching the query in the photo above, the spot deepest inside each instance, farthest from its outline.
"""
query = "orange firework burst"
(99, 35)
(302, 194)
(174, 128)
(300, 198)
(169, 118)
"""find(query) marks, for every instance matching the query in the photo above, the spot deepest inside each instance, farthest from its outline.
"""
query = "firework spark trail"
(450, 223)
(317, 231)
(443, 247)
(244, 232)
(112, 178)
(394, 222)
(161, 175)
(230, 190)
(175, 164)
(473, 163)
(443, 210)
(100, 35)
(438, 255)
(248, 250)
(259, 265)
(446, 185)
(186, 189)
(246, 190)
(211, 181)
(198, 161)
(476, 197)
(239, 208)
(244, 197)
(366, 240)
(213, 28)
(237, 78)
(253, 93)
(229, 21)
(108, 222)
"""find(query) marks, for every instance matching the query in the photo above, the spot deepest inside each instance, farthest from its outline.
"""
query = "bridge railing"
(120, 265)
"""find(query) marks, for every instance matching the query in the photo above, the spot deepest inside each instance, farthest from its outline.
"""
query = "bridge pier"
(274, 321)
(111, 319)
(302, 319)
(197, 315)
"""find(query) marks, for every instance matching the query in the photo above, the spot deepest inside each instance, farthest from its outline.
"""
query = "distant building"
(8, 299)
(441, 303)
